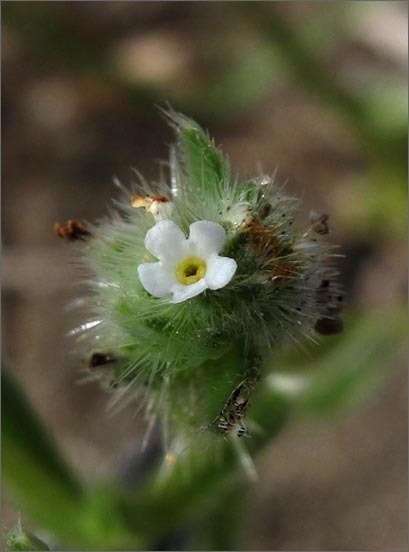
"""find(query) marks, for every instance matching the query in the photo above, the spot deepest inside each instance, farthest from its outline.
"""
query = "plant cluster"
(192, 283)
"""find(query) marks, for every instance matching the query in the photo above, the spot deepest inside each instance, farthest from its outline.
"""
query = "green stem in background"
(30, 455)
(349, 370)
(311, 71)
(304, 62)
(40, 481)
(221, 527)
(198, 478)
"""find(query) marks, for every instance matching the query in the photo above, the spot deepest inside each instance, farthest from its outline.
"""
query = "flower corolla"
(186, 266)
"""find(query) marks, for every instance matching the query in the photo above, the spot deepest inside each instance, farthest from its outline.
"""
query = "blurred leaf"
(221, 527)
(305, 62)
(350, 369)
(23, 431)
(373, 206)
(244, 82)
(42, 484)
(387, 103)
(386, 205)
(325, 29)
(32, 467)
(311, 70)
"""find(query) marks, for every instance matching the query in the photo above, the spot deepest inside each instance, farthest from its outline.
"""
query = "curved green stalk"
(322, 81)
(40, 481)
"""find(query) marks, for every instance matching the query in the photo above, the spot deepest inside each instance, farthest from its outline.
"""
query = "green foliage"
(31, 466)
(345, 372)
(43, 485)
(201, 163)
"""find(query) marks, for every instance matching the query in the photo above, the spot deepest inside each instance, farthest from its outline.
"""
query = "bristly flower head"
(195, 281)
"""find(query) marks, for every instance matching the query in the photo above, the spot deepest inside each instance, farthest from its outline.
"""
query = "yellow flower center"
(190, 271)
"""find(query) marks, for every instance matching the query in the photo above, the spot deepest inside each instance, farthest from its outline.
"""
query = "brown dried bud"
(319, 223)
(329, 326)
(71, 231)
(147, 201)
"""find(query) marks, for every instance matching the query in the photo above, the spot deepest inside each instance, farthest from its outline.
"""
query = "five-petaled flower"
(186, 267)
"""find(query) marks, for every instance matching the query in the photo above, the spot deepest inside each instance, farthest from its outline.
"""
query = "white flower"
(186, 267)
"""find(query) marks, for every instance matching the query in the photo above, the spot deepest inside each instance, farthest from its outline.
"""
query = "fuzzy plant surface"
(18, 539)
(193, 281)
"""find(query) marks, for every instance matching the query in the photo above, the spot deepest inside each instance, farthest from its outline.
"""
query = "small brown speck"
(146, 201)
(71, 231)
(100, 359)
(319, 223)
(329, 326)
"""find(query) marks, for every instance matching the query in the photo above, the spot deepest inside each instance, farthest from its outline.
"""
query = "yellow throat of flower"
(190, 271)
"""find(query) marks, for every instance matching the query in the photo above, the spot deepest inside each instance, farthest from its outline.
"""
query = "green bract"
(18, 539)
(199, 360)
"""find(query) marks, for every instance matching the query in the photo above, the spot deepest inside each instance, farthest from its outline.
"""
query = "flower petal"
(166, 241)
(156, 278)
(220, 270)
(182, 293)
(206, 238)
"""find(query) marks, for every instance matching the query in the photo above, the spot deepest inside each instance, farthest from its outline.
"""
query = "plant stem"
(322, 81)
(41, 482)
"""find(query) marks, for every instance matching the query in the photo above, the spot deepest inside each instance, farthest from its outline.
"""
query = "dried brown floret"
(73, 230)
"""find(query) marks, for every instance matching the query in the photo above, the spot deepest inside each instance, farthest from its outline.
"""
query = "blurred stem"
(195, 476)
(323, 82)
(349, 370)
(40, 481)
(29, 457)
(225, 523)
(220, 529)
